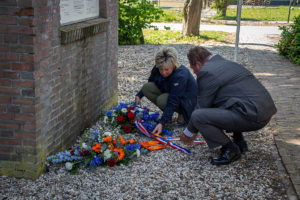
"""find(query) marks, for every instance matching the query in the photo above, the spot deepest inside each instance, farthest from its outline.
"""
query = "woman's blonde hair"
(166, 57)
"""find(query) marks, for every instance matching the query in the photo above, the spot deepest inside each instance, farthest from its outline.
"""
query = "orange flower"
(122, 140)
(107, 139)
(97, 147)
(120, 153)
(110, 146)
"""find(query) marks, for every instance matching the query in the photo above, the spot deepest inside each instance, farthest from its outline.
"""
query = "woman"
(170, 87)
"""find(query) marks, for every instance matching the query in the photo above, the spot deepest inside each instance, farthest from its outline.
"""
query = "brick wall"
(50, 92)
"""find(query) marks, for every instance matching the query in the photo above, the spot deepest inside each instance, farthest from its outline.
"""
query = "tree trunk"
(224, 9)
(191, 17)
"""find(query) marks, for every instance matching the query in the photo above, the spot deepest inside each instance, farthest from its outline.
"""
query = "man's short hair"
(197, 53)
(166, 57)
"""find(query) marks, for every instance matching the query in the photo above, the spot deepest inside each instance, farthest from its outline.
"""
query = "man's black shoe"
(227, 156)
(242, 145)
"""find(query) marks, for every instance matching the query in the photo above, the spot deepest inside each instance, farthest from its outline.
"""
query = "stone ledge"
(81, 30)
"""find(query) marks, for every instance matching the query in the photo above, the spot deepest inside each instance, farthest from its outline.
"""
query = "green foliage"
(289, 44)
(175, 37)
(279, 13)
(221, 6)
(135, 15)
(171, 16)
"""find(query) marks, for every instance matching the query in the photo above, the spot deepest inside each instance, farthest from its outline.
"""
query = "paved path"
(248, 34)
(282, 78)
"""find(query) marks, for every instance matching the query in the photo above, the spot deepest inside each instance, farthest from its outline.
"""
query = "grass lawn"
(174, 37)
(256, 14)
(264, 14)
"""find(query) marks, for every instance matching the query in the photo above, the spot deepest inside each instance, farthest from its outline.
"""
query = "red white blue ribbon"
(178, 139)
(160, 139)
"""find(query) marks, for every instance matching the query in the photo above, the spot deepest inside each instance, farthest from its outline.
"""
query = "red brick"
(10, 141)
(10, 91)
(44, 11)
(9, 56)
(23, 101)
(5, 82)
(25, 3)
(25, 134)
(21, 30)
(6, 149)
(29, 142)
(25, 118)
(4, 47)
(23, 84)
(3, 28)
(11, 38)
(21, 48)
(8, 20)
(5, 99)
(22, 67)
(13, 109)
(27, 58)
(9, 125)
(5, 116)
(26, 40)
(43, 54)
(11, 75)
(5, 65)
(45, 62)
(28, 109)
(28, 21)
(3, 108)
(29, 126)
(25, 12)
(9, 3)
(8, 10)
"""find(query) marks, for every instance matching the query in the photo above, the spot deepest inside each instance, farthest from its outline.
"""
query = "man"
(229, 99)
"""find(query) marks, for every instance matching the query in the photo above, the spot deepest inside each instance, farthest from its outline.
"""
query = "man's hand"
(158, 129)
(187, 140)
(138, 101)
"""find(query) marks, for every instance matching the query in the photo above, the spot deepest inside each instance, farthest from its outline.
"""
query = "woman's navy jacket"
(182, 89)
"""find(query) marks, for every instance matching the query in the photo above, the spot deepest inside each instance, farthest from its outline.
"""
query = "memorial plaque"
(72, 11)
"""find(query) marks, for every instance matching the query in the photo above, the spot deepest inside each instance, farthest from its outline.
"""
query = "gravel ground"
(167, 173)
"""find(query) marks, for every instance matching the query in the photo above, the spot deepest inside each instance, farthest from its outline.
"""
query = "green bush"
(135, 15)
(289, 44)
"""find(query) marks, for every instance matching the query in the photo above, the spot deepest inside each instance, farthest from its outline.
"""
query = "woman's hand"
(138, 101)
(158, 129)
(187, 140)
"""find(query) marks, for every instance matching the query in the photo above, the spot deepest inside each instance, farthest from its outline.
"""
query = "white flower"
(69, 166)
(114, 114)
(107, 154)
(107, 133)
(124, 110)
(84, 145)
(138, 153)
(151, 113)
(112, 120)
(141, 109)
(105, 119)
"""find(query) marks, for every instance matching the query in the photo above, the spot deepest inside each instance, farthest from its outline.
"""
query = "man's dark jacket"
(226, 84)
(182, 89)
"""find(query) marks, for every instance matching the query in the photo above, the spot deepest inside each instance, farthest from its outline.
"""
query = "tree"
(134, 16)
(221, 6)
(191, 17)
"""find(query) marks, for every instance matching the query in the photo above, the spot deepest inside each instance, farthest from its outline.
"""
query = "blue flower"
(93, 163)
(96, 134)
(133, 147)
(109, 113)
(98, 160)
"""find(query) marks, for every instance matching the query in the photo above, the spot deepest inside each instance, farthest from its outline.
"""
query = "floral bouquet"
(124, 116)
(95, 149)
